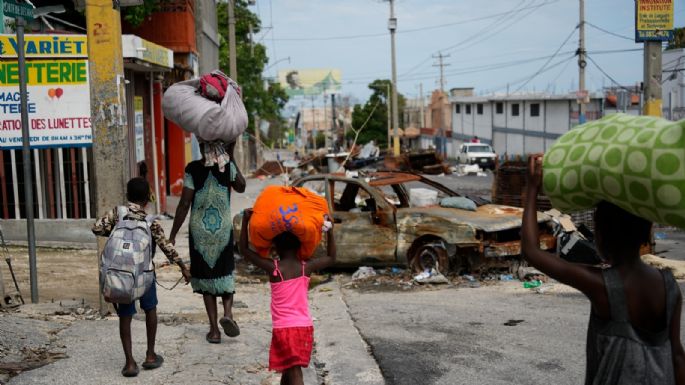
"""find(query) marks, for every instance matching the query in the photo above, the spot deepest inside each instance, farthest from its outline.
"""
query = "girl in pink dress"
(293, 331)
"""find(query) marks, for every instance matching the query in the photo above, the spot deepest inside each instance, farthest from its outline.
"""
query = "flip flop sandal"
(130, 373)
(230, 327)
(212, 340)
(159, 360)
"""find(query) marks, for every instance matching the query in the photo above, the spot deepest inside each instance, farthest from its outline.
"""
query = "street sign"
(654, 20)
(17, 10)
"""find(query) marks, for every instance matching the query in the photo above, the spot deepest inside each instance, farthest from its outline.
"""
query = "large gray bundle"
(208, 120)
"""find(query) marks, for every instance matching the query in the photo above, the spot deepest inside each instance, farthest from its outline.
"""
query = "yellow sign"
(45, 72)
(155, 54)
(653, 20)
(45, 46)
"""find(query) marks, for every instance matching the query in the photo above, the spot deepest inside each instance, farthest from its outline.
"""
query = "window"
(479, 109)
(515, 109)
(468, 109)
(535, 109)
(499, 107)
(480, 148)
(457, 108)
(351, 197)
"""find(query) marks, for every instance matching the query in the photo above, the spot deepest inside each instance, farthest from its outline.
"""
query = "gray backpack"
(125, 263)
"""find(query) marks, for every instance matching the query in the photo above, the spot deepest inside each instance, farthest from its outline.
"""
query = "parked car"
(477, 153)
(377, 224)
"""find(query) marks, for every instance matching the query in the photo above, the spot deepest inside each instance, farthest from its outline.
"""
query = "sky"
(491, 43)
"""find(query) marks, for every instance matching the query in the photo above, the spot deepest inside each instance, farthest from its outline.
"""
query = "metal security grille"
(61, 181)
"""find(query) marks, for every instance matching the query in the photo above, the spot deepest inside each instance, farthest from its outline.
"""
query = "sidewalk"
(95, 357)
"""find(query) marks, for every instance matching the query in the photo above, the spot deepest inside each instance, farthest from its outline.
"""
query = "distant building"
(517, 124)
(673, 88)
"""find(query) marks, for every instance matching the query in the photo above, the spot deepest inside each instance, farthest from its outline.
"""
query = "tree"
(377, 127)
(678, 39)
(263, 98)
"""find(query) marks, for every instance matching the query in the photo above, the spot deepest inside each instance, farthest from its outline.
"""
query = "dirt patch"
(62, 274)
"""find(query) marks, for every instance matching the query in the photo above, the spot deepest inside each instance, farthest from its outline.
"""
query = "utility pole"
(387, 106)
(582, 63)
(233, 73)
(313, 130)
(392, 26)
(441, 63)
(334, 126)
(443, 129)
(652, 78)
(423, 115)
(26, 159)
(108, 108)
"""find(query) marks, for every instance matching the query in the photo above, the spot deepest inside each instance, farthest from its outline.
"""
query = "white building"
(518, 124)
(673, 88)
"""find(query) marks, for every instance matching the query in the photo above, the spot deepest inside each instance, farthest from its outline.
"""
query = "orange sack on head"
(294, 209)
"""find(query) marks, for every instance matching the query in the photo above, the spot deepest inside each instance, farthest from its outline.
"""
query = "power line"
(468, 70)
(609, 32)
(550, 59)
(528, 78)
(477, 37)
(414, 68)
(362, 79)
(607, 75)
(510, 21)
(606, 51)
(413, 30)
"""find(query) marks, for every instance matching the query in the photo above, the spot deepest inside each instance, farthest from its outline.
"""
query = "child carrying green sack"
(634, 162)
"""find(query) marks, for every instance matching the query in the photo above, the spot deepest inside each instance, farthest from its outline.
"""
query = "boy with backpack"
(127, 270)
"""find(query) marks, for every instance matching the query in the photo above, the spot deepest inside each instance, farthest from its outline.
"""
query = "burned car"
(382, 220)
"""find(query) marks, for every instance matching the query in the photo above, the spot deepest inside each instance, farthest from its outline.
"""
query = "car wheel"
(427, 256)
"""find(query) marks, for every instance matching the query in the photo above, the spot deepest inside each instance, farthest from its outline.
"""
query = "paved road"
(458, 336)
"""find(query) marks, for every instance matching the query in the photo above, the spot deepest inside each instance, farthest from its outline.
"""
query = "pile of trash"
(468, 169)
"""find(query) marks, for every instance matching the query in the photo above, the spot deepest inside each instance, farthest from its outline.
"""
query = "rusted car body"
(376, 225)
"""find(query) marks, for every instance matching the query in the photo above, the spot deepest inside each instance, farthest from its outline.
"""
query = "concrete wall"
(557, 116)
(466, 126)
(514, 121)
(499, 119)
(535, 123)
(51, 232)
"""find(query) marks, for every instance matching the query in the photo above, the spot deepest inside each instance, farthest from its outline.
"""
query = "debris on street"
(363, 273)
(531, 274)
(513, 322)
(423, 162)
(431, 276)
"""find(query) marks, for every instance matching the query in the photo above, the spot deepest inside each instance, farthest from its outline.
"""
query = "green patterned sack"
(635, 162)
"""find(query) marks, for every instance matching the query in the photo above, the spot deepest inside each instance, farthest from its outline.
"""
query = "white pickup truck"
(477, 153)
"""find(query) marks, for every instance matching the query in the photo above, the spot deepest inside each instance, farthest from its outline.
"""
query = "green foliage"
(377, 127)
(678, 39)
(261, 97)
(137, 15)
(320, 140)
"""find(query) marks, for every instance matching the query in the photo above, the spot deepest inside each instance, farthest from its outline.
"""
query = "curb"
(342, 356)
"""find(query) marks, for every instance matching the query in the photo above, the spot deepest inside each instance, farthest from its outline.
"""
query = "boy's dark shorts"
(147, 302)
